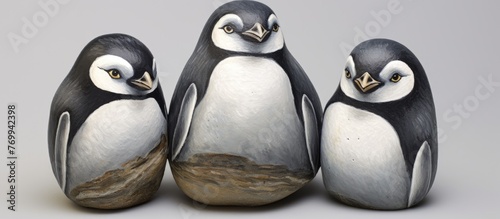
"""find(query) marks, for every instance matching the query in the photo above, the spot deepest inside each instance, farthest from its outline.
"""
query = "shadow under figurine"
(379, 136)
(107, 129)
(244, 117)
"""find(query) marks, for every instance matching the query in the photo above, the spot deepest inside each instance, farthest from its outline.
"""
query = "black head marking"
(250, 12)
(254, 15)
(373, 55)
(122, 45)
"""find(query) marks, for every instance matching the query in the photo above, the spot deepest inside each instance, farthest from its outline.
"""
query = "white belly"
(248, 110)
(362, 159)
(112, 135)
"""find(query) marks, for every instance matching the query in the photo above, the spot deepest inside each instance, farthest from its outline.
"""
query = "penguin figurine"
(107, 130)
(379, 135)
(244, 117)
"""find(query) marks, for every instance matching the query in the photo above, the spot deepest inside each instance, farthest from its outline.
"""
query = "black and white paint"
(379, 136)
(108, 111)
(242, 93)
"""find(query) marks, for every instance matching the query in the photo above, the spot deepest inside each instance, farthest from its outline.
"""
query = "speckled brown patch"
(133, 184)
(221, 179)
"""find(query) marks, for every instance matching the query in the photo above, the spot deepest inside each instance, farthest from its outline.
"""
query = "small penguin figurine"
(107, 130)
(379, 136)
(244, 117)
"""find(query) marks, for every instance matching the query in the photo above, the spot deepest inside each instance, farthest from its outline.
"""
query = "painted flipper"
(184, 120)
(311, 132)
(422, 171)
(61, 148)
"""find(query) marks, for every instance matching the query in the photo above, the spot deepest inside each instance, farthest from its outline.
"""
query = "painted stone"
(244, 118)
(107, 130)
(379, 136)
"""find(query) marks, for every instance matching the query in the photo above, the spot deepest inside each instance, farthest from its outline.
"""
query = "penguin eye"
(276, 27)
(396, 77)
(113, 73)
(347, 73)
(228, 29)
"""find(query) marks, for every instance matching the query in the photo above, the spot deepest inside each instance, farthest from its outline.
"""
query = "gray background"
(455, 41)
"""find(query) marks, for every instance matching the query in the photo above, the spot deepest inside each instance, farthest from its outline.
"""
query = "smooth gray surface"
(456, 43)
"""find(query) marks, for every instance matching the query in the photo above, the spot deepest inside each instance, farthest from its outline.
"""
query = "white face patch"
(225, 35)
(110, 73)
(397, 78)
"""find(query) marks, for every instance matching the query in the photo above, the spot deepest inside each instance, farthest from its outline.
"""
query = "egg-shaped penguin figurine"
(107, 130)
(379, 135)
(244, 117)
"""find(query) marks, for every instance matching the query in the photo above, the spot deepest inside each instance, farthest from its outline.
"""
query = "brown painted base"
(131, 185)
(221, 179)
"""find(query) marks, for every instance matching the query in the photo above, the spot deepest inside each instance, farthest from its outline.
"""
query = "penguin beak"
(145, 82)
(257, 32)
(366, 82)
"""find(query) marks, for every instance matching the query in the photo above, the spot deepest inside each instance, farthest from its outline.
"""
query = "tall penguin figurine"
(379, 136)
(245, 118)
(107, 130)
